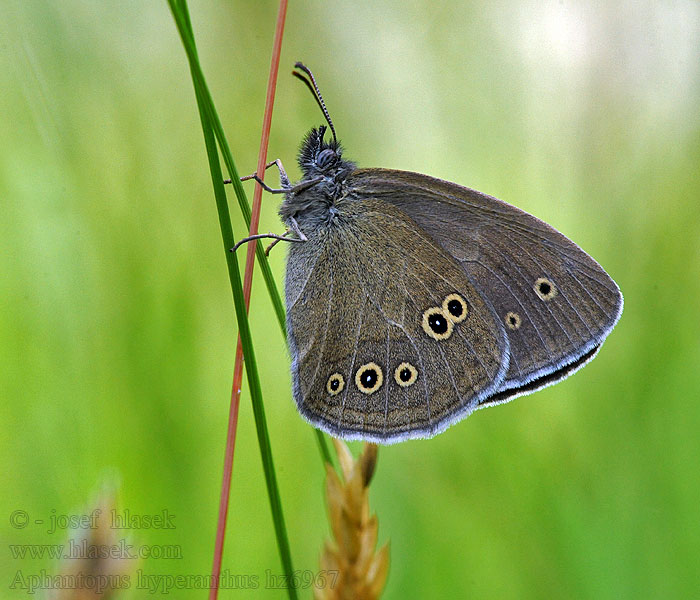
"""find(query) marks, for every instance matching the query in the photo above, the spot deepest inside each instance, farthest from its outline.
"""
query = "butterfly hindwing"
(376, 352)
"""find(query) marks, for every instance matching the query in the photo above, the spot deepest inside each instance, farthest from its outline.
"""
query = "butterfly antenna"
(316, 92)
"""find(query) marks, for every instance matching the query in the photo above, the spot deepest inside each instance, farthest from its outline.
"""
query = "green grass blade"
(278, 306)
(180, 8)
(205, 110)
(243, 204)
(250, 361)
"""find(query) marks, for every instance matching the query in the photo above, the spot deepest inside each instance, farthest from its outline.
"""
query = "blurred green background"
(117, 329)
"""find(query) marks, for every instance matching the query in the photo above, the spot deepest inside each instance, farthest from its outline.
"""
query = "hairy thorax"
(315, 207)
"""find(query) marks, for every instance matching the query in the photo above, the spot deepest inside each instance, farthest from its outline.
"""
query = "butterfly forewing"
(556, 303)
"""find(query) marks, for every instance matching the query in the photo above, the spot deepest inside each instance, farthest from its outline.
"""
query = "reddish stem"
(247, 282)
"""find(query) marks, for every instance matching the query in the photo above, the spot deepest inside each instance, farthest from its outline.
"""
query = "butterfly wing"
(557, 304)
(388, 337)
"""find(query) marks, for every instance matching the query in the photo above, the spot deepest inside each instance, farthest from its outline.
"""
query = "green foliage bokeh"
(117, 331)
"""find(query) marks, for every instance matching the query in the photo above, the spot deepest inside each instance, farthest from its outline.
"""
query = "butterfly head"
(320, 158)
(311, 202)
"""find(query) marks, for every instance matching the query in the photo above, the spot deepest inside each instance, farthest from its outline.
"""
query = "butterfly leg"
(278, 238)
(284, 179)
(285, 237)
(275, 242)
(260, 236)
(302, 185)
(295, 228)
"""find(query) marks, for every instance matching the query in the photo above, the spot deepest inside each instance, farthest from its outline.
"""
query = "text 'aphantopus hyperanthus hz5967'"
(412, 301)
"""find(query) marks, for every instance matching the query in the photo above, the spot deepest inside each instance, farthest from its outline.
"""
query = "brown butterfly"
(413, 301)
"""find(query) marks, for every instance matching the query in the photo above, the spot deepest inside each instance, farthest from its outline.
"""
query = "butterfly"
(412, 301)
